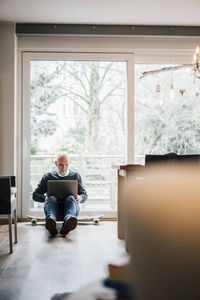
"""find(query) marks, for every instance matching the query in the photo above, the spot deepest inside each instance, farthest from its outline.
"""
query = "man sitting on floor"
(67, 209)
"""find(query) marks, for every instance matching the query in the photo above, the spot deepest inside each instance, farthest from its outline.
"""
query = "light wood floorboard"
(42, 266)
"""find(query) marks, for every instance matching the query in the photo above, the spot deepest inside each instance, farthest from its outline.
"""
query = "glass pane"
(79, 107)
(167, 112)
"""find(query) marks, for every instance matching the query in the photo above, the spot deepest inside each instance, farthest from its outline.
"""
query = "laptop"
(62, 188)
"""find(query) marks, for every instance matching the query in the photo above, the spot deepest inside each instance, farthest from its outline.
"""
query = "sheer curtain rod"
(106, 30)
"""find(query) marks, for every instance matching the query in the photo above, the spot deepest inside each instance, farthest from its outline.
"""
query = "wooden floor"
(42, 266)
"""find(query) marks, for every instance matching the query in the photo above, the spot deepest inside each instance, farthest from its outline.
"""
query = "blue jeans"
(60, 209)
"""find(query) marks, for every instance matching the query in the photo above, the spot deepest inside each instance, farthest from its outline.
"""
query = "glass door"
(76, 103)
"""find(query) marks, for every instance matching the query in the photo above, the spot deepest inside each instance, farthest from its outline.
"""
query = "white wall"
(7, 99)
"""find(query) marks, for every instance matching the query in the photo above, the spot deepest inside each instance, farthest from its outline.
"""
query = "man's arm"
(81, 190)
(41, 189)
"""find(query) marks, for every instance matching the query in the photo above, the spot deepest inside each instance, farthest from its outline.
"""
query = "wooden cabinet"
(124, 174)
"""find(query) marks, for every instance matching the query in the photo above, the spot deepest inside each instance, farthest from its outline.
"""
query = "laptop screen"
(62, 188)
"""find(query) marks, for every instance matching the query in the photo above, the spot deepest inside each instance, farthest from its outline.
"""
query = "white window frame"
(25, 147)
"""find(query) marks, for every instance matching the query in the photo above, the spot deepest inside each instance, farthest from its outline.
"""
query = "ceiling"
(122, 12)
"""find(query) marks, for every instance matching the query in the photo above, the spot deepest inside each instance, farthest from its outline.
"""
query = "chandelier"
(195, 66)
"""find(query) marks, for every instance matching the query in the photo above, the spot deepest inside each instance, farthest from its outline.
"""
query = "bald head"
(62, 163)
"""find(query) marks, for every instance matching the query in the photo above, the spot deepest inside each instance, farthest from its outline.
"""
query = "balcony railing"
(97, 172)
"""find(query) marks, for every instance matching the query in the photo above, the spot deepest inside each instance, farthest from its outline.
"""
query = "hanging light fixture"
(172, 84)
(182, 91)
(196, 60)
(158, 88)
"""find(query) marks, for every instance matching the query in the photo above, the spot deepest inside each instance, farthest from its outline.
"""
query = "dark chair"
(8, 203)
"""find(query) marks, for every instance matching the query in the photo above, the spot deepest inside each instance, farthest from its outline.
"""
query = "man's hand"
(78, 199)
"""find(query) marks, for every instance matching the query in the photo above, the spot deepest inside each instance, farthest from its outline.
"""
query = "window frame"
(27, 56)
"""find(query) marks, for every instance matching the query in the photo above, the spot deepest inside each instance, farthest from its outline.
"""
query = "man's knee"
(52, 199)
(71, 198)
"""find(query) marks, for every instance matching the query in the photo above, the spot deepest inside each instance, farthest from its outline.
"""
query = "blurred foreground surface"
(163, 219)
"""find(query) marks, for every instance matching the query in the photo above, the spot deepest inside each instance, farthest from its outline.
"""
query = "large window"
(167, 111)
(78, 106)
